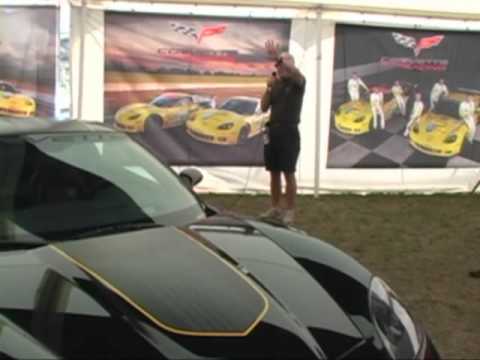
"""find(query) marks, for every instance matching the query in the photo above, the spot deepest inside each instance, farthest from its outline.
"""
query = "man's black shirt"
(286, 102)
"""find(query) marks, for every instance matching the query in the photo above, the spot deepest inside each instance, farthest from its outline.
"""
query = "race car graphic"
(13, 103)
(356, 117)
(442, 132)
(167, 110)
(234, 122)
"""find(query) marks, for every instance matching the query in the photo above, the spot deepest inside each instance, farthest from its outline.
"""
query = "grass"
(422, 246)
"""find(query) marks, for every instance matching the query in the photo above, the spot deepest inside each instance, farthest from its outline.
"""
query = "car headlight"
(450, 139)
(134, 117)
(395, 327)
(359, 119)
(226, 126)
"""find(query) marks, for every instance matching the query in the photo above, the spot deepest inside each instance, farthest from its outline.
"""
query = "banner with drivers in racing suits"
(28, 38)
(190, 86)
(404, 98)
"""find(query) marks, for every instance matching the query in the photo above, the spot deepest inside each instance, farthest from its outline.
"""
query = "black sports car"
(106, 253)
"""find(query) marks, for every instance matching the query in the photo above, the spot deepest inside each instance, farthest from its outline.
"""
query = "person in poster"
(439, 90)
(397, 92)
(284, 97)
(415, 114)
(467, 114)
(354, 84)
(376, 103)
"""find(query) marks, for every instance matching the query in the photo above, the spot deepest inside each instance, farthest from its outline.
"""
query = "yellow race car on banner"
(167, 110)
(234, 122)
(356, 117)
(441, 132)
(13, 103)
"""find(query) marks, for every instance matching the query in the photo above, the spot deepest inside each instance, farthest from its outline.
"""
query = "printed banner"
(404, 99)
(27, 61)
(190, 86)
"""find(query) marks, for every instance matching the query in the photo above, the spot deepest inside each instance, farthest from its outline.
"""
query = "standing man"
(439, 90)
(467, 114)
(284, 97)
(415, 114)
(376, 103)
(397, 92)
(354, 87)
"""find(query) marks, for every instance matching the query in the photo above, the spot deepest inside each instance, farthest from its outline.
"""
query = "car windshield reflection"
(241, 107)
(57, 186)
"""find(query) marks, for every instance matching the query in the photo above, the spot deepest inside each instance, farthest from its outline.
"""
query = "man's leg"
(432, 103)
(291, 193)
(409, 125)
(374, 112)
(472, 127)
(382, 120)
(275, 188)
(291, 190)
(402, 104)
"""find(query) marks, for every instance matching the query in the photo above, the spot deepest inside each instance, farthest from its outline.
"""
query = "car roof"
(174, 94)
(249, 98)
(16, 126)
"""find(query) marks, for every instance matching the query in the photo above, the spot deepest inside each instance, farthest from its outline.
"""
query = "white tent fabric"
(308, 30)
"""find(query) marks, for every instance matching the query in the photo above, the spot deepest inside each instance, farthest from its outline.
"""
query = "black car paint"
(102, 296)
(76, 314)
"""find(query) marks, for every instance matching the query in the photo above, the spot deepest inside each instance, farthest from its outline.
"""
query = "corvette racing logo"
(198, 34)
(417, 45)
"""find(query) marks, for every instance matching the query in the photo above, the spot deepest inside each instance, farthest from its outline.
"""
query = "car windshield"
(7, 88)
(167, 101)
(240, 106)
(57, 186)
(448, 108)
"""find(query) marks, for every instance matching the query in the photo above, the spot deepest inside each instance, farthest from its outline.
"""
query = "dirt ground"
(423, 246)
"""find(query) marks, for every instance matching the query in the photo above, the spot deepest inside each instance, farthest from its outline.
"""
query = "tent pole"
(82, 59)
(318, 106)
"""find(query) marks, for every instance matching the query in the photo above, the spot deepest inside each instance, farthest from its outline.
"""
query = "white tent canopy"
(459, 9)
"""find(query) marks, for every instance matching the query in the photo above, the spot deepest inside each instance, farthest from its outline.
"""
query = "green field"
(423, 246)
(132, 78)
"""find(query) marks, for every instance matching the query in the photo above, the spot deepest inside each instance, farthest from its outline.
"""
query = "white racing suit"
(397, 92)
(417, 111)
(376, 103)
(438, 90)
(354, 88)
(467, 114)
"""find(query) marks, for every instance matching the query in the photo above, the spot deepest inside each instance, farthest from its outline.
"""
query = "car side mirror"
(191, 177)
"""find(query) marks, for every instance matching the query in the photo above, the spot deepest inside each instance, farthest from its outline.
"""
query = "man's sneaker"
(272, 213)
(475, 274)
(288, 216)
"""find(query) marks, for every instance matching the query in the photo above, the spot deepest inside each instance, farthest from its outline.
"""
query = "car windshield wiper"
(20, 245)
(113, 229)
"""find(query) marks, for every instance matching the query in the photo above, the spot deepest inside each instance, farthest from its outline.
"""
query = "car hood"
(220, 287)
(15, 98)
(215, 118)
(436, 127)
(352, 110)
(139, 108)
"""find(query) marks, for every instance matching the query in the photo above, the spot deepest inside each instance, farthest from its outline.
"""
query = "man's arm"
(266, 100)
(362, 84)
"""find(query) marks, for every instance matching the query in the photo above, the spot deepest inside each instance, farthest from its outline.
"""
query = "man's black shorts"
(281, 152)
